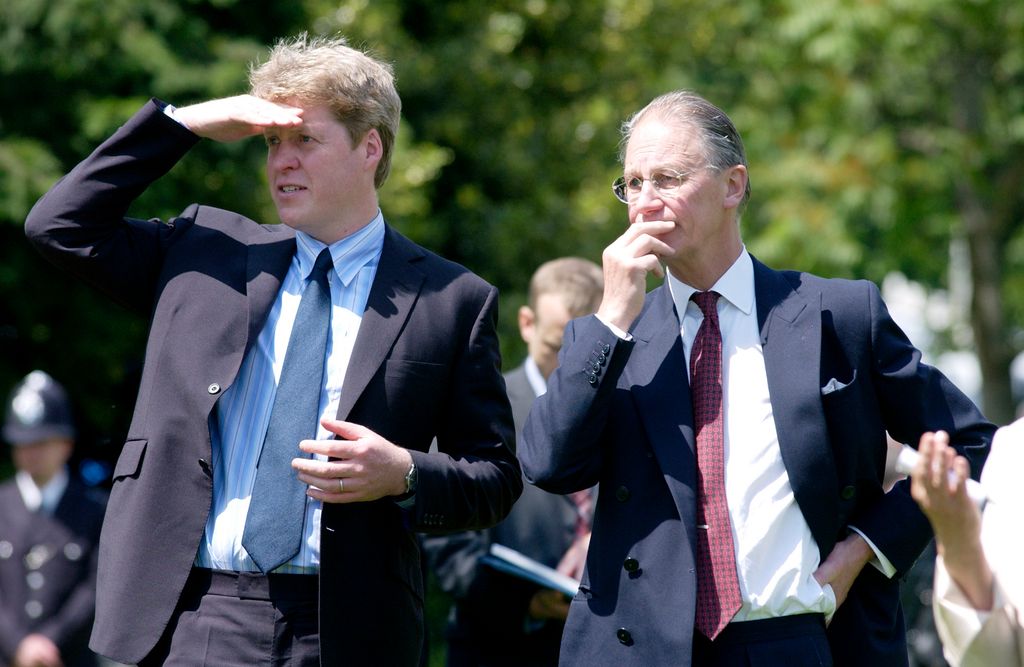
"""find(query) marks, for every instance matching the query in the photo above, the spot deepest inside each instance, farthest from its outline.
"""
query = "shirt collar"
(535, 377)
(48, 496)
(349, 254)
(736, 286)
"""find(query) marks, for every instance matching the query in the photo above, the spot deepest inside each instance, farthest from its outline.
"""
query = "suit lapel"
(790, 328)
(269, 257)
(394, 291)
(657, 378)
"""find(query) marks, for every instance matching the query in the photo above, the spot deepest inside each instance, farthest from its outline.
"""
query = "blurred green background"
(884, 138)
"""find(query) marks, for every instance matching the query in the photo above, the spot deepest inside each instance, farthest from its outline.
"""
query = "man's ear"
(736, 185)
(527, 323)
(373, 147)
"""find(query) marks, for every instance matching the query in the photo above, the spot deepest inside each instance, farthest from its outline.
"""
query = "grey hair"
(722, 145)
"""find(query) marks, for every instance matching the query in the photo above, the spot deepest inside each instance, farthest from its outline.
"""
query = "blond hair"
(359, 89)
(579, 282)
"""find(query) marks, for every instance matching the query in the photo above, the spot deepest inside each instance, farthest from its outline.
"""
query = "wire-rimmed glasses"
(666, 182)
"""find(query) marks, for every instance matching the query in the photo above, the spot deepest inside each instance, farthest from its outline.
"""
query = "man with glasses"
(735, 418)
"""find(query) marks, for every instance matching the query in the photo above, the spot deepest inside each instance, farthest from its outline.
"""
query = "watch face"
(410, 479)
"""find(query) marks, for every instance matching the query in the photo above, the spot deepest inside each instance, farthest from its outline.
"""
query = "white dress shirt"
(535, 377)
(775, 551)
(239, 423)
(45, 498)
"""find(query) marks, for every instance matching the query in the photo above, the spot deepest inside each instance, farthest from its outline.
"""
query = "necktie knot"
(324, 263)
(707, 302)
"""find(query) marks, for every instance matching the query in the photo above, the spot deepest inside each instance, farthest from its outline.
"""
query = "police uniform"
(47, 554)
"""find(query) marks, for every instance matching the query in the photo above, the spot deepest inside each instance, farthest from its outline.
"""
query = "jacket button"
(33, 609)
(35, 580)
(623, 636)
(848, 492)
(214, 388)
(631, 565)
(606, 348)
(592, 379)
(622, 494)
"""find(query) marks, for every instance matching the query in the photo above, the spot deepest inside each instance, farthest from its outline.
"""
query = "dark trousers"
(787, 641)
(242, 619)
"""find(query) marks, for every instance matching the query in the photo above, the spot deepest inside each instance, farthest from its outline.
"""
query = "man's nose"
(283, 158)
(648, 199)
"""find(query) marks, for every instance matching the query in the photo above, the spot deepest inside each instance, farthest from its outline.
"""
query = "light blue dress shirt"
(239, 422)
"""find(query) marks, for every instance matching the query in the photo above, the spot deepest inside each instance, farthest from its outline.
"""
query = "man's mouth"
(291, 188)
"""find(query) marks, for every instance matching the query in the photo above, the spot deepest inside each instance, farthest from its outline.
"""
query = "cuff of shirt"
(880, 562)
(623, 335)
(171, 112)
(957, 622)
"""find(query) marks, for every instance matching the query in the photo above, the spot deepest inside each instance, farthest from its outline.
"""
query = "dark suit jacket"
(619, 412)
(425, 364)
(488, 620)
(58, 579)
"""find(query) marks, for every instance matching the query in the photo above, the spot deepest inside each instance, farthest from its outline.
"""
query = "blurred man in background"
(49, 531)
(498, 618)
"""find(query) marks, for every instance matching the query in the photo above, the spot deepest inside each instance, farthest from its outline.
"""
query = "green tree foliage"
(72, 71)
(879, 135)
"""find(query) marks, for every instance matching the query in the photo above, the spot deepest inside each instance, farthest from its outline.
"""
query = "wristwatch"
(411, 478)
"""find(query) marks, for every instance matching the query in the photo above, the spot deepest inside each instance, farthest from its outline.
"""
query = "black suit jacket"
(619, 412)
(489, 619)
(425, 364)
(48, 571)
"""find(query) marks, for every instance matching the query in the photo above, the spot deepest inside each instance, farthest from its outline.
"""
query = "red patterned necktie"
(718, 590)
(584, 502)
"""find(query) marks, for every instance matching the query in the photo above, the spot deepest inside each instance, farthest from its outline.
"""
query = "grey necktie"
(273, 527)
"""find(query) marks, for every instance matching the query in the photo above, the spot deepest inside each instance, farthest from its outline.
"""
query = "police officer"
(49, 532)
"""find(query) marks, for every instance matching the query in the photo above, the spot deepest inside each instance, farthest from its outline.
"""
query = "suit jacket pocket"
(836, 386)
(414, 370)
(130, 461)
(414, 391)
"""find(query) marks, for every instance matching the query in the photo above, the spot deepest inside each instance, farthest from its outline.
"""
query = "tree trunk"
(985, 231)
(987, 313)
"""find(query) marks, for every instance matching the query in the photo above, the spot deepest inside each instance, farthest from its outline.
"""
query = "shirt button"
(622, 494)
(848, 492)
(214, 388)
